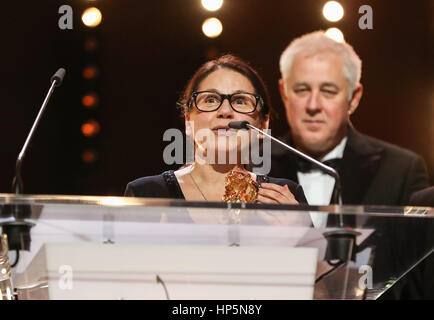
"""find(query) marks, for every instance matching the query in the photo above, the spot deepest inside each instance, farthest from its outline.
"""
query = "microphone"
(17, 183)
(58, 77)
(341, 243)
(336, 197)
(239, 125)
(17, 228)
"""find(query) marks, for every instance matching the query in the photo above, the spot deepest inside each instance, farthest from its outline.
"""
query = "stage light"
(90, 100)
(333, 11)
(212, 5)
(335, 34)
(90, 45)
(212, 27)
(90, 128)
(90, 72)
(89, 156)
(91, 17)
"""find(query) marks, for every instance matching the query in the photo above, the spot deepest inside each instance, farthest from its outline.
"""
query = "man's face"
(315, 95)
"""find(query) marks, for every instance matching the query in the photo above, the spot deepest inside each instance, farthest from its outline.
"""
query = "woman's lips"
(313, 121)
(223, 131)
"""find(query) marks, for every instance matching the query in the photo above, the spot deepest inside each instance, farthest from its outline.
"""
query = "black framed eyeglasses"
(242, 102)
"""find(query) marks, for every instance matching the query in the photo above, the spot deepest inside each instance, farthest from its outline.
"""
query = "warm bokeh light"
(90, 100)
(333, 11)
(90, 72)
(90, 45)
(212, 27)
(91, 17)
(89, 156)
(90, 128)
(335, 34)
(212, 5)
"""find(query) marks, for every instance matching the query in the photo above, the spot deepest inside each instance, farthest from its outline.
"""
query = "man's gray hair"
(317, 42)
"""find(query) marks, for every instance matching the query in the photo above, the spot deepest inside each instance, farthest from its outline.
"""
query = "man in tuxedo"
(320, 88)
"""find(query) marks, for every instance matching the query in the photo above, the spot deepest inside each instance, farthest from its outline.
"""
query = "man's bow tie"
(306, 166)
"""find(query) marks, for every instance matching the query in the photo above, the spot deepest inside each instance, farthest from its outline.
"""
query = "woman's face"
(223, 81)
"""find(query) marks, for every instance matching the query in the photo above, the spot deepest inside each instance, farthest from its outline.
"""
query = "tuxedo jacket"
(423, 197)
(373, 172)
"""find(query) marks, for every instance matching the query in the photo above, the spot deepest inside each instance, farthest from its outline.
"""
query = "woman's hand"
(273, 193)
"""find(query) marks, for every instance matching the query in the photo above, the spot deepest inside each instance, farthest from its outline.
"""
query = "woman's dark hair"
(231, 62)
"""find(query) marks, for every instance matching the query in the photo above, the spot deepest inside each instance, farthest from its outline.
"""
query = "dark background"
(147, 50)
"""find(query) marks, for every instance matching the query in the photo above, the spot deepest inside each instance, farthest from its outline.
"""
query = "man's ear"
(355, 99)
(282, 89)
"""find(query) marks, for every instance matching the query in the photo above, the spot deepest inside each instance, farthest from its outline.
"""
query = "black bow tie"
(306, 166)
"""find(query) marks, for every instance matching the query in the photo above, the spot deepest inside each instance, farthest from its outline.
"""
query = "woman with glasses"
(221, 91)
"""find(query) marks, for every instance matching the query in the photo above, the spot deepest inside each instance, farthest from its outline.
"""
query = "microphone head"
(239, 125)
(58, 76)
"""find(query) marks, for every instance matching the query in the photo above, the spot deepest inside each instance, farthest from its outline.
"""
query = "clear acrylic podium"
(155, 245)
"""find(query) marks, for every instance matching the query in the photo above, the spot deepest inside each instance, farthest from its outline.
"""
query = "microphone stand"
(17, 183)
(341, 243)
(18, 230)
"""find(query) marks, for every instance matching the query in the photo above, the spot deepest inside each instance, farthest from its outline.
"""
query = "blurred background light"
(90, 45)
(90, 72)
(212, 5)
(333, 11)
(335, 34)
(90, 100)
(90, 128)
(91, 17)
(89, 156)
(212, 27)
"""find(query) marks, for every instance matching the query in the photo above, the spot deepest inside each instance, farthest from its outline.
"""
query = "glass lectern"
(84, 247)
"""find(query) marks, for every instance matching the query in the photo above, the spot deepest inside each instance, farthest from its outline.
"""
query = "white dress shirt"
(318, 186)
